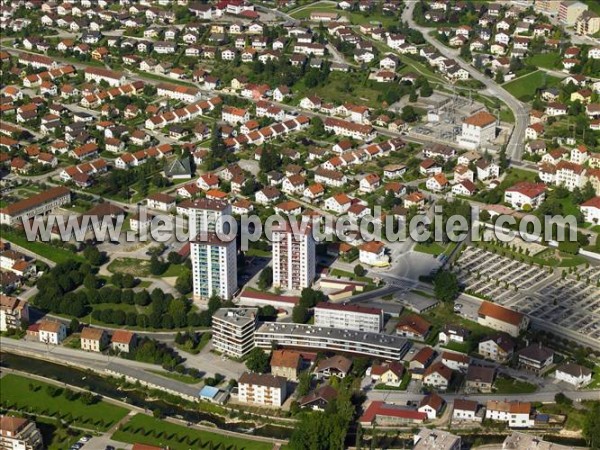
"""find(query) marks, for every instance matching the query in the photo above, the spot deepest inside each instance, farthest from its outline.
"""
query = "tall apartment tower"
(214, 261)
(293, 257)
(233, 330)
(214, 267)
(205, 215)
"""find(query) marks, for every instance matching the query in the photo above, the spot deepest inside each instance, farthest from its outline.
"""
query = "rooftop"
(302, 330)
(236, 316)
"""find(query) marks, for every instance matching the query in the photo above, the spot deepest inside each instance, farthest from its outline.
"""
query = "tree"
(257, 361)
(174, 258)
(591, 426)
(303, 384)
(90, 281)
(325, 430)
(359, 270)
(267, 312)
(409, 114)
(316, 124)
(299, 314)
(413, 96)
(184, 282)
(310, 297)
(484, 215)
(93, 255)
(446, 286)
(265, 279)
(426, 90)
(157, 266)
(74, 325)
(142, 298)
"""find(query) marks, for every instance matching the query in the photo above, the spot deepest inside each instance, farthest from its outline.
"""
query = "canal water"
(107, 387)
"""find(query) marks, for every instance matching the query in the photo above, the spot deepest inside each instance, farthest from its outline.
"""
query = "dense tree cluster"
(445, 286)
(270, 159)
(257, 361)
(72, 288)
(325, 430)
(154, 352)
(308, 299)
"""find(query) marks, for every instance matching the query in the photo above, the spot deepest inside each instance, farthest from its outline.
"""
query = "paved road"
(401, 397)
(207, 363)
(520, 111)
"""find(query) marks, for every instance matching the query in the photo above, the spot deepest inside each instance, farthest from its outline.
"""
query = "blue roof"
(208, 392)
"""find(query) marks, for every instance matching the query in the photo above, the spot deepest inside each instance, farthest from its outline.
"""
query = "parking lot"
(572, 302)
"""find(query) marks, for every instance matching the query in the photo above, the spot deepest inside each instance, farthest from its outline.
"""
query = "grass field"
(148, 430)
(546, 60)
(23, 394)
(511, 386)
(187, 379)
(355, 18)
(594, 5)
(350, 275)
(525, 87)
(58, 255)
(342, 87)
(575, 416)
(175, 270)
(432, 249)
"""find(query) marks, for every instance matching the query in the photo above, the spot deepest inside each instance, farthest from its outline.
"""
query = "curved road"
(515, 146)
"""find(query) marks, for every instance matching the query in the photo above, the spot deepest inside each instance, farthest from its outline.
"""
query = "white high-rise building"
(233, 330)
(206, 215)
(214, 267)
(294, 256)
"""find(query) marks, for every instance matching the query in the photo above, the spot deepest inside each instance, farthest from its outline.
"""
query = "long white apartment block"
(293, 335)
(349, 317)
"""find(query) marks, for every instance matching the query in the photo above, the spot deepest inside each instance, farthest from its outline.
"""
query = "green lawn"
(575, 416)
(512, 386)
(58, 255)
(432, 249)
(595, 383)
(177, 376)
(342, 87)
(594, 5)
(546, 60)
(23, 394)
(525, 87)
(258, 253)
(350, 275)
(148, 430)
(175, 270)
(355, 18)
